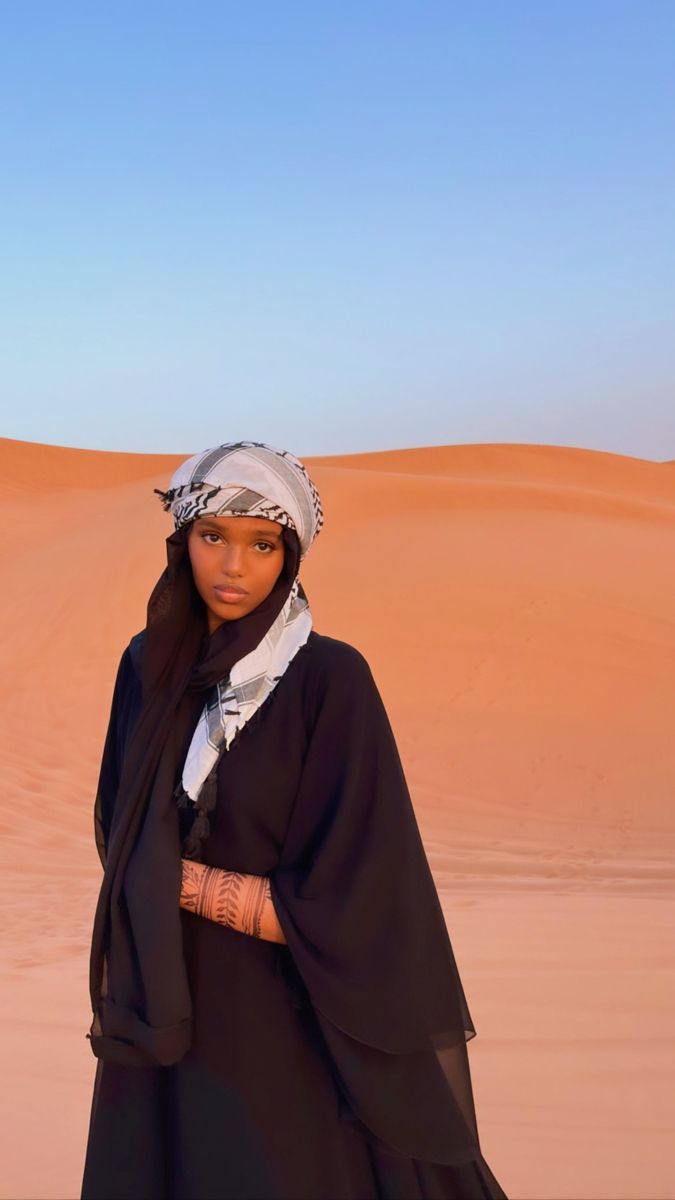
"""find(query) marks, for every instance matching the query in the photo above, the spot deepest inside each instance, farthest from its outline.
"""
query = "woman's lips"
(229, 595)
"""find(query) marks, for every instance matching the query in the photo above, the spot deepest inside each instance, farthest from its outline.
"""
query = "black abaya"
(333, 1067)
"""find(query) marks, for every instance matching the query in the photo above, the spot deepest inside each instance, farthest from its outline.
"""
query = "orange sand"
(531, 686)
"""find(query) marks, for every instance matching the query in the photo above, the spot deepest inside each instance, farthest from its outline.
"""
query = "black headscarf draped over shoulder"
(138, 984)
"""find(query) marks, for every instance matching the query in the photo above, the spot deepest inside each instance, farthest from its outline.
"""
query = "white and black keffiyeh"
(250, 479)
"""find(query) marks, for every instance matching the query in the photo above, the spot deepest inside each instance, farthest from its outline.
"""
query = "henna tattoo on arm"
(222, 896)
(233, 898)
(189, 892)
(255, 897)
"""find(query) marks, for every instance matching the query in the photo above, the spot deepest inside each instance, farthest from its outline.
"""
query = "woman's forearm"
(233, 898)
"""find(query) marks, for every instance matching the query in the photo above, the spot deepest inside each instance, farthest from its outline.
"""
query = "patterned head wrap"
(247, 479)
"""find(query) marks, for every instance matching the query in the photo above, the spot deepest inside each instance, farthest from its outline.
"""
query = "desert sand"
(530, 682)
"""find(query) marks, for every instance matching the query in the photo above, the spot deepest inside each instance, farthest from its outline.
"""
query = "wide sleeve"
(124, 707)
(358, 906)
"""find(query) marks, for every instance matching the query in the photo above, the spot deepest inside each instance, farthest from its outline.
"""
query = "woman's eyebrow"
(266, 533)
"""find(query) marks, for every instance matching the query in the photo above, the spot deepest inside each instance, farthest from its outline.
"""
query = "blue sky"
(338, 227)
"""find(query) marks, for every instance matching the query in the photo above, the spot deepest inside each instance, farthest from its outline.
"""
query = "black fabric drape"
(314, 797)
(138, 986)
(360, 912)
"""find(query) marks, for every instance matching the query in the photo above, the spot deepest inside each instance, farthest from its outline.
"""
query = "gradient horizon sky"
(338, 228)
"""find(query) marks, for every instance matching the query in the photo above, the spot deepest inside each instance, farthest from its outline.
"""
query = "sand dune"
(531, 686)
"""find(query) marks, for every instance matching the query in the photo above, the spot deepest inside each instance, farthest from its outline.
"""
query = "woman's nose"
(233, 559)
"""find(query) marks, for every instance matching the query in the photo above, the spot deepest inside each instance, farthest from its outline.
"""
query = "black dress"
(306, 1078)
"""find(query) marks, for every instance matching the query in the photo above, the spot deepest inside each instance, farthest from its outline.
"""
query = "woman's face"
(244, 552)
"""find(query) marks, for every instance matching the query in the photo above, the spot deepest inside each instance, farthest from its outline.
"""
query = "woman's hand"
(232, 898)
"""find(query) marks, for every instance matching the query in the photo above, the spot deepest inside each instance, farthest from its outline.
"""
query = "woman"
(277, 1010)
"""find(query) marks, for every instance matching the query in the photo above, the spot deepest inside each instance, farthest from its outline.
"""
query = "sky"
(338, 227)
